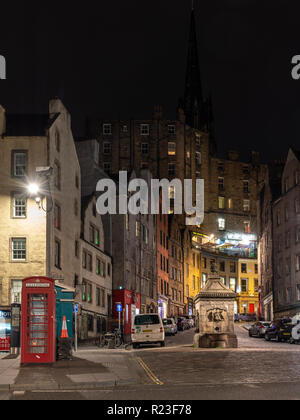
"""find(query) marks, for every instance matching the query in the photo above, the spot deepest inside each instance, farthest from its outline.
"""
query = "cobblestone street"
(256, 370)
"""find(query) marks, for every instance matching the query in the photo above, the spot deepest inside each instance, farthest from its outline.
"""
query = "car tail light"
(133, 331)
(161, 330)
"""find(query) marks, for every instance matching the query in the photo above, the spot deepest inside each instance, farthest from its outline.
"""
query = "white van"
(147, 329)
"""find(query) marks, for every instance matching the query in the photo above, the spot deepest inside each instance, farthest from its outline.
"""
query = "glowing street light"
(33, 189)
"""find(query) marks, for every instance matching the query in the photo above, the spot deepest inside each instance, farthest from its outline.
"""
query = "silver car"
(170, 326)
(259, 329)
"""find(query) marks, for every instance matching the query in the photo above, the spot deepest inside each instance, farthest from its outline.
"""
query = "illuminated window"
(137, 229)
(16, 291)
(172, 193)
(221, 202)
(246, 205)
(198, 158)
(222, 224)
(204, 279)
(230, 204)
(232, 284)
(171, 148)
(100, 268)
(247, 229)
(94, 235)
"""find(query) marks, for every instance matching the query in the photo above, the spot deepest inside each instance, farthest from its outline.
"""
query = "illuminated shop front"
(5, 330)
(163, 307)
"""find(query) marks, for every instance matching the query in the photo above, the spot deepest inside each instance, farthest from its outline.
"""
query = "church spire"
(193, 97)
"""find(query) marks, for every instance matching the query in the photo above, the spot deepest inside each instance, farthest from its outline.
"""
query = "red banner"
(4, 344)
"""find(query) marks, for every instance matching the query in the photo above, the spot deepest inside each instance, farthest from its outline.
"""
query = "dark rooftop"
(29, 125)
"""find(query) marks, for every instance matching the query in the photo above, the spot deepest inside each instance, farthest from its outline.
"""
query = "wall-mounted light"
(33, 189)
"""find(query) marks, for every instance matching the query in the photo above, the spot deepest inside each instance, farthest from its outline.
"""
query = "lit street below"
(256, 370)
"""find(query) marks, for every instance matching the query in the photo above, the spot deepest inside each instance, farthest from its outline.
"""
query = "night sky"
(121, 58)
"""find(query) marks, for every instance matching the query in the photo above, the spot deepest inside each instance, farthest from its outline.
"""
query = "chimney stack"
(233, 155)
(158, 112)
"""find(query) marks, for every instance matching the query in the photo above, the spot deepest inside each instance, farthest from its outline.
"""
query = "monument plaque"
(215, 313)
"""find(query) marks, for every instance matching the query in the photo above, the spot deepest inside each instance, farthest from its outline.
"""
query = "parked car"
(187, 322)
(170, 326)
(181, 324)
(259, 329)
(147, 329)
(191, 322)
(280, 330)
(245, 318)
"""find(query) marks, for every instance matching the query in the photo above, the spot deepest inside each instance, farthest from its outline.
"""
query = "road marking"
(149, 372)
(19, 393)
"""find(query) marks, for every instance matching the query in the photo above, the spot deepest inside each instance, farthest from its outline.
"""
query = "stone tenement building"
(185, 148)
(134, 251)
(47, 232)
(270, 192)
(286, 240)
(38, 236)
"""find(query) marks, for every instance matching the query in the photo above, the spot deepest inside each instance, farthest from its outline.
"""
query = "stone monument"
(215, 315)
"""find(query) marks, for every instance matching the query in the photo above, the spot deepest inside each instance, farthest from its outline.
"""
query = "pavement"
(9, 370)
(256, 370)
(90, 368)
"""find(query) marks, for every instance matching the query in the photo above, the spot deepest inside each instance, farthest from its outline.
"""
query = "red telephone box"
(38, 332)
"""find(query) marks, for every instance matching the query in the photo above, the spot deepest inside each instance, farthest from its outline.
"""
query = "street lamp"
(33, 189)
(41, 189)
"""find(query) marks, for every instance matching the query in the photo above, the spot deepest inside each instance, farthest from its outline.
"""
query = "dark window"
(147, 320)
(57, 254)
(90, 323)
(19, 164)
(244, 268)
(222, 266)
(57, 217)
